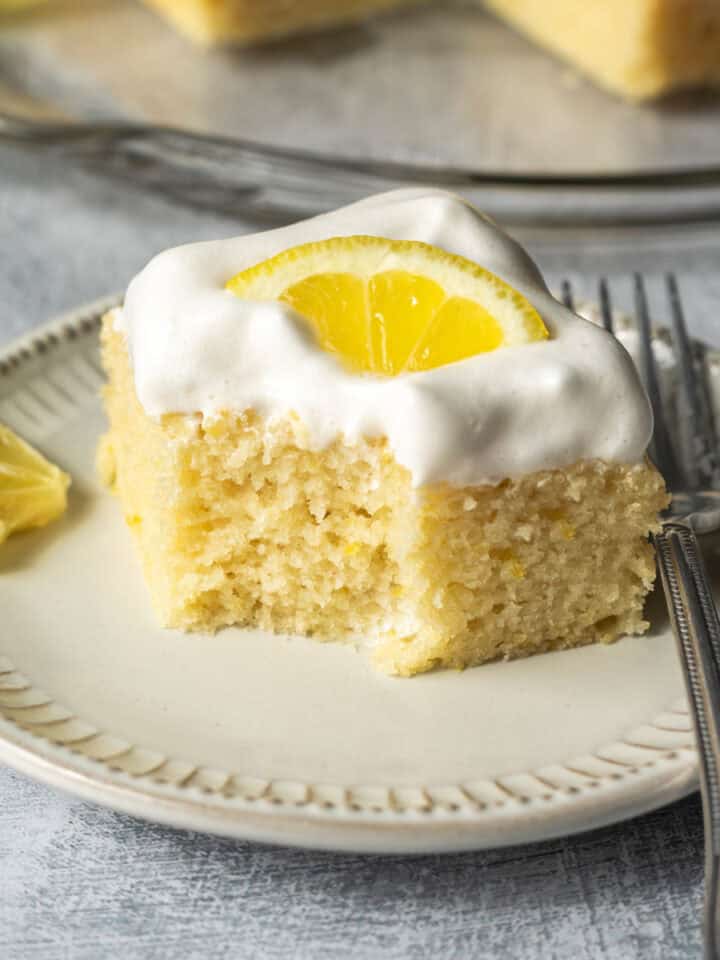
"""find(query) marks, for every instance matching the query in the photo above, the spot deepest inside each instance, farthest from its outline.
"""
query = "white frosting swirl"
(196, 347)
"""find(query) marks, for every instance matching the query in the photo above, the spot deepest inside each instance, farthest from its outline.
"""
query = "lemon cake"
(377, 426)
(638, 48)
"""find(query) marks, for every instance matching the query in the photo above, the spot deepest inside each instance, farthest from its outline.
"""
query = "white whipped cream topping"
(196, 347)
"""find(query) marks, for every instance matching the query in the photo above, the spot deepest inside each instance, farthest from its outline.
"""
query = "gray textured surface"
(77, 881)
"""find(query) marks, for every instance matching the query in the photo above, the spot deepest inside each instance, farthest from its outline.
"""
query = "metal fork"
(685, 449)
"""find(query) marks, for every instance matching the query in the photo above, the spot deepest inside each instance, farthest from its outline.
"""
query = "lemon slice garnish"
(33, 491)
(393, 306)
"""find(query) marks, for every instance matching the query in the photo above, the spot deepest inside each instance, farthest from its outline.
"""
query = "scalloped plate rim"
(378, 833)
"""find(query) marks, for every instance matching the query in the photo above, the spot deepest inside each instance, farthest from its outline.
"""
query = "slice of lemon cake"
(247, 21)
(638, 48)
(377, 426)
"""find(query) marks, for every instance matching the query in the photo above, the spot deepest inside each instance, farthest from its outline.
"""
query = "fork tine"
(694, 421)
(661, 450)
(567, 295)
(606, 305)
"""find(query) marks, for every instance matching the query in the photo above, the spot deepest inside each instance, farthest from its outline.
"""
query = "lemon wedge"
(393, 306)
(33, 491)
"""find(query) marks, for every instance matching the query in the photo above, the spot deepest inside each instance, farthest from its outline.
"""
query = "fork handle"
(696, 627)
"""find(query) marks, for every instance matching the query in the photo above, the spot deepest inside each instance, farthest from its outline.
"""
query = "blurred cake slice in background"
(378, 427)
(247, 21)
(638, 48)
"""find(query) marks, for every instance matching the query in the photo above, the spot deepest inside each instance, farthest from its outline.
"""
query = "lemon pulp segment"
(393, 306)
(33, 491)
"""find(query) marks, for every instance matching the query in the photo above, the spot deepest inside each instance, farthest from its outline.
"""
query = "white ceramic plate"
(283, 739)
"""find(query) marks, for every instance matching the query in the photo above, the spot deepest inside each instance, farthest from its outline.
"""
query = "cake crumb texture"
(241, 522)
